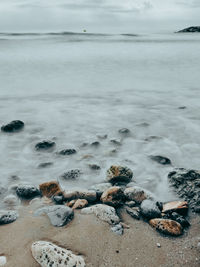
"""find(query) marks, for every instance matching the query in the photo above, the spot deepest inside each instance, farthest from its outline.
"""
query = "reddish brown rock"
(113, 196)
(71, 203)
(50, 189)
(80, 203)
(167, 226)
(117, 174)
(178, 206)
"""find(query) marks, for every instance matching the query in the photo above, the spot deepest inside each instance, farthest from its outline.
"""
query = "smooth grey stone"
(149, 209)
(118, 229)
(27, 191)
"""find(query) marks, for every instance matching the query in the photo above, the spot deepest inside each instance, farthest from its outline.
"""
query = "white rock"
(2, 260)
(49, 255)
(103, 212)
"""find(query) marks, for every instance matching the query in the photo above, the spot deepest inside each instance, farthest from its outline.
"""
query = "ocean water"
(72, 87)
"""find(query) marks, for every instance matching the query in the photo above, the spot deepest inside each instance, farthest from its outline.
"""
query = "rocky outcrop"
(103, 212)
(137, 194)
(8, 216)
(45, 145)
(161, 160)
(13, 126)
(50, 189)
(117, 174)
(177, 206)
(186, 183)
(166, 226)
(48, 254)
(27, 191)
(149, 209)
(59, 215)
(113, 196)
(191, 29)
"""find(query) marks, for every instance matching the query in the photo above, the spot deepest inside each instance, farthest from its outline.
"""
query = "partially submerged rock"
(117, 174)
(47, 254)
(124, 131)
(137, 194)
(161, 160)
(11, 200)
(149, 209)
(178, 218)
(113, 196)
(13, 126)
(27, 191)
(89, 195)
(103, 212)
(45, 145)
(59, 215)
(71, 175)
(94, 167)
(80, 204)
(67, 152)
(8, 216)
(45, 164)
(167, 226)
(50, 189)
(178, 206)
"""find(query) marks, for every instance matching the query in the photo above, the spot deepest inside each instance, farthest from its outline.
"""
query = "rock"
(149, 209)
(95, 144)
(45, 145)
(71, 203)
(71, 175)
(8, 216)
(178, 218)
(115, 142)
(27, 191)
(68, 152)
(59, 215)
(152, 138)
(80, 203)
(113, 196)
(137, 194)
(178, 206)
(102, 137)
(13, 126)
(90, 196)
(182, 107)
(158, 245)
(187, 185)
(49, 255)
(100, 188)
(103, 212)
(45, 164)
(190, 29)
(167, 226)
(160, 159)
(130, 204)
(119, 174)
(118, 229)
(124, 131)
(50, 189)
(133, 212)
(94, 167)
(58, 199)
(11, 200)
(3, 260)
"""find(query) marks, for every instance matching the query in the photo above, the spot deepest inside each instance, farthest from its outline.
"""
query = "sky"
(117, 16)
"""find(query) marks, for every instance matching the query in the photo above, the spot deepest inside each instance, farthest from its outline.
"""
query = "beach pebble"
(133, 212)
(161, 160)
(117, 174)
(89, 195)
(118, 229)
(178, 206)
(158, 245)
(13, 126)
(8, 216)
(178, 218)
(67, 152)
(50, 189)
(71, 175)
(103, 212)
(149, 209)
(137, 194)
(167, 226)
(47, 254)
(113, 196)
(80, 203)
(27, 191)
(3, 260)
(45, 145)
(59, 215)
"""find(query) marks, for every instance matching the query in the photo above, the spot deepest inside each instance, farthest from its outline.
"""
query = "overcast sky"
(131, 16)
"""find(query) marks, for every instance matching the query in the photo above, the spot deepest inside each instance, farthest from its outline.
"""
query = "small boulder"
(13, 126)
(48, 254)
(59, 215)
(137, 194)
(133, 212)
(50, 189)
(117, 174)
(8, 216)
(71, 175)
(45, 145)
(27, 191)
(58, 199)
(113, 196)
(161, 160)
(149, 209)
(167, 226)
(103, 212)
(67, 152)
(80, 204)
(178, 206)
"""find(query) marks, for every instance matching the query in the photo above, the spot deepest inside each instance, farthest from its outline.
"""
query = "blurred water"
(71, 87)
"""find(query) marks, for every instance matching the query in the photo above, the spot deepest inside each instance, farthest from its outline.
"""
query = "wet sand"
(101, 247)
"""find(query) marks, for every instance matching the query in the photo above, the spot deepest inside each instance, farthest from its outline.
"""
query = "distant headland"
(190, 29)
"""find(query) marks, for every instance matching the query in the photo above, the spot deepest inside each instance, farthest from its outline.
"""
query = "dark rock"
(71, 175)
(182, 107)
(94, 167)
(95, 144)
(178, 218)
(113, 196)
(69, 151)
(59, 215)
(115, 142)
(13, 126)
(186, 183)
(149, 209)
(190, 29)
(45, 145)
(160, 159)
(124, 131)
(119, 174)
(58, 199)
(152, 138)
(45, 164)
(27, 191)
(50, 189)
(8, 216)
(133, 212)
